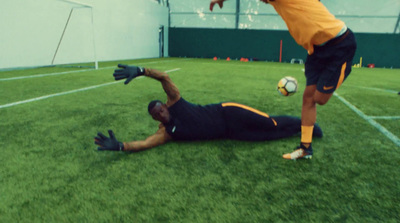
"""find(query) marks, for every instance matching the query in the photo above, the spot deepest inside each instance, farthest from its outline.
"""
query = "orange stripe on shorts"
(341, 78)
(249, 109)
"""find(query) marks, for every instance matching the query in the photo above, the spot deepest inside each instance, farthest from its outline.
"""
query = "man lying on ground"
(182, 120)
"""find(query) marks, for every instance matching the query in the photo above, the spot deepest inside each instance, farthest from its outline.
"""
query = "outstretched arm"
(159, 138)
(131, 72)
(111, 143)
(169, 87)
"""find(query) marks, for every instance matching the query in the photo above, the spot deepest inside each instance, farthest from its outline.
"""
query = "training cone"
(215, 58)
(246, 60)
(228, 59)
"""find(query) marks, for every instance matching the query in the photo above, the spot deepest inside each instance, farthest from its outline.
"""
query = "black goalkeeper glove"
(106, 143)
(128, 72)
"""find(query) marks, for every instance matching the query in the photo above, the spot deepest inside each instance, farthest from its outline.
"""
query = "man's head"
(159, 111)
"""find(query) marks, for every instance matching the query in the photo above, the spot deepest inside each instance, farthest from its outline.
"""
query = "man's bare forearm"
(159, 138)
(156, 74)
(135, 146)
(169, 87)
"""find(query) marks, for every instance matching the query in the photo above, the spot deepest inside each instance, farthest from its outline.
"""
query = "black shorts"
(331, 63)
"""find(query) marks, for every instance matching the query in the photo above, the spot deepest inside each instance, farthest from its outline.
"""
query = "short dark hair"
(152, 104)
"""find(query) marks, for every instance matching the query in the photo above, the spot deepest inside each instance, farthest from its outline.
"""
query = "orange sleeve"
(309, 22)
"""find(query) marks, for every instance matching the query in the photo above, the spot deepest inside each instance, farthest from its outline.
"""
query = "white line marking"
(57, 94)
(375, 89)
(44, 75)
(75, 71)
(382, 129)
(68, 92)
(384, 117)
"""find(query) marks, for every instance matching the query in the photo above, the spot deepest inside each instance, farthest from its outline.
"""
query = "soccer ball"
(287, 86)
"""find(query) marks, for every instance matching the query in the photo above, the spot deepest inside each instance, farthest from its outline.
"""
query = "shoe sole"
(307, 157)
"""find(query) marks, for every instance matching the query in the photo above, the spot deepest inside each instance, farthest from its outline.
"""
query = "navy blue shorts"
(248, 124)
(331, 63)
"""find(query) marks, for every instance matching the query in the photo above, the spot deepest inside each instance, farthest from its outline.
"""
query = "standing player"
(331, 47)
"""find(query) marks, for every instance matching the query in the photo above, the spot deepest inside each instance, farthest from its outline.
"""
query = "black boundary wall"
(383, 50)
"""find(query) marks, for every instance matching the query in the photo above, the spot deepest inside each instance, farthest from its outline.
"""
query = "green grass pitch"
(51, 171)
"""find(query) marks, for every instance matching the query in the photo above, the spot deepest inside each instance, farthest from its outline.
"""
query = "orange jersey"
(309, 21)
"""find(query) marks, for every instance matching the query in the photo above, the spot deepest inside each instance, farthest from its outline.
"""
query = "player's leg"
(336, 70)
(308, 119)
(338, 57)
(246, 123)
(313, 68)
(286, 126)
(291, 125)
(325, 70)
(319, 94)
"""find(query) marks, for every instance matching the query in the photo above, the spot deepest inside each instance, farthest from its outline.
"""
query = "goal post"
(77, 57)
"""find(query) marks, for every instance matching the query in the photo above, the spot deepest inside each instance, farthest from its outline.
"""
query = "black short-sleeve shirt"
(195, 122)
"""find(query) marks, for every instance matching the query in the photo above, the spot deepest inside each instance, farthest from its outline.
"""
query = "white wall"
(30, 31)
